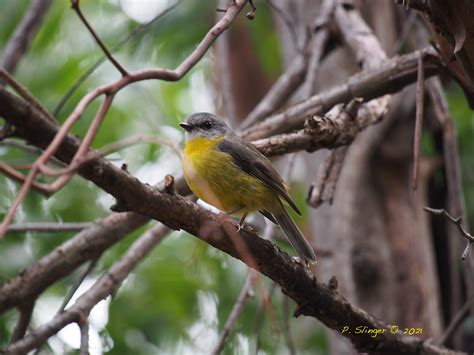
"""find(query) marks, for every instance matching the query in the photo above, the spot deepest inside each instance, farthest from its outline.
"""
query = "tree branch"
(323, 188)
(392, 76)
(103, 288)
(110, 90)
(313, 298)
(64, 259)
(455, 322)
(303, 69)
(420, 103)
(458, 222)
(24, 34)
(46, 227)
(116, 47)
(77, 8)
(24, 318)
(245, 294)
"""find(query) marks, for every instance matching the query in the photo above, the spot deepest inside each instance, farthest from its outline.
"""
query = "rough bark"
(377, 251)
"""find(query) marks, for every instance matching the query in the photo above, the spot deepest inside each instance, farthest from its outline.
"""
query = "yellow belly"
(215, 179)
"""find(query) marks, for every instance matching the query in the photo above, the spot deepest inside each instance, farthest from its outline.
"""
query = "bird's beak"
(187, 127)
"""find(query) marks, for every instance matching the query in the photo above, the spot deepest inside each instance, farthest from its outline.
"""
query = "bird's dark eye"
(207, 125)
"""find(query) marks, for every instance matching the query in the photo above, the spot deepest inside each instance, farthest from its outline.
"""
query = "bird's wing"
(268, 215)
(254, 163)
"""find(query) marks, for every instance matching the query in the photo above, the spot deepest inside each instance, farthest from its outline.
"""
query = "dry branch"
(23, 322)
(245, 294)
(24, 33)
(420, 103)
(63, 260)
(392, 76)
(46, 227)
(104, 287)
(323, 188)
(77, 8)
(314, 298)
(109, 90)
(452, 163)
(338, 128)
(458, 222)
(303, 68)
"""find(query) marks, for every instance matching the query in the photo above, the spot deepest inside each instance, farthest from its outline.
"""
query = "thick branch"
(314, 299)
(103, 288)
(109, 91)
(338, 128)
(392, 76)
(86, 245)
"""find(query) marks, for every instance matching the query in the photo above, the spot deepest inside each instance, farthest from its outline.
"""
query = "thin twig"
(30, 149)
(288, 23)
(456, 203)
(420, 104)
(139, 138)
(84, 327)
(323, 188)
(77, 284)
(454, 324)
(239, 305)
(458, 222)
(24, 34)
(110, 90)
(317, 45)
(77, 8)
(46, 227)
(179, 212)
(135, 32)
(259, 318)
(101, 289)
(24, 318)
(25, 94)
(405, 33)
(14, 174)
(286, 319)
(40, 166)
(391, 76)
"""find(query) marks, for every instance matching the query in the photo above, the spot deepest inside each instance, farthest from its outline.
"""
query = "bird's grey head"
(206, 125)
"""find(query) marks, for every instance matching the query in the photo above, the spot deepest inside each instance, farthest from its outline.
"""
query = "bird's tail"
(294, 235)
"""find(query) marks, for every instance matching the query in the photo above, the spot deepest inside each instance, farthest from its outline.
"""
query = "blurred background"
(178, 299)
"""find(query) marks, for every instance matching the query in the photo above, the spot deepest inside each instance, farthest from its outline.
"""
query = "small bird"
(229, 173)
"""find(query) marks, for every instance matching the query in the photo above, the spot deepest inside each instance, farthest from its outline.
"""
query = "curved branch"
(313, 298)
(390, 77)
(103, 288)
(110, 90)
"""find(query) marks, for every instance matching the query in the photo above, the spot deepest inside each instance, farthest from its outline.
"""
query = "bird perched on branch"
(229, 173)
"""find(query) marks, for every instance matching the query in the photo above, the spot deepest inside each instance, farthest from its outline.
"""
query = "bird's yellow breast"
(214, 177)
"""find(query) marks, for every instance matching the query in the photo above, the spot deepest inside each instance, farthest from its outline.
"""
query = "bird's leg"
(241, 222)
(237, 209)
